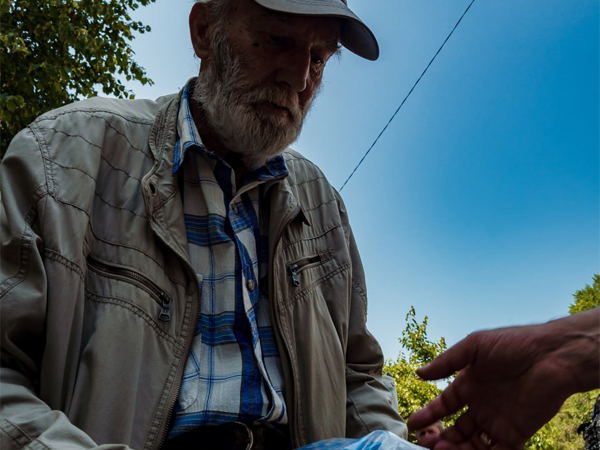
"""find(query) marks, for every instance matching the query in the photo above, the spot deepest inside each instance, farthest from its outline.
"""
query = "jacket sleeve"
(27, 422)
(370, 404)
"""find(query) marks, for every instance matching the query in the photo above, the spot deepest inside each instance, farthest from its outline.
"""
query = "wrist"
(574, 348)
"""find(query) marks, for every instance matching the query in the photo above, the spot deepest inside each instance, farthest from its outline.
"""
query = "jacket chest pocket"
(295, 268)
(107, 274)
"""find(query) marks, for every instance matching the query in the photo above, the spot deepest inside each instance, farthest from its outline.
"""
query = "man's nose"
(295, 70)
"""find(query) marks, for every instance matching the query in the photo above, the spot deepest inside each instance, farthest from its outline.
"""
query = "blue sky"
(480, 203)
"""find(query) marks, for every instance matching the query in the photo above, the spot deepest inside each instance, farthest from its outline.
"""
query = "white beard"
(232, 107)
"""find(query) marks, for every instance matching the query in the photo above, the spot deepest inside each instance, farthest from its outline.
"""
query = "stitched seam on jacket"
(53, 255)
(158, 133)
(309, 238)
(310, 180)
(27, 244)
(33, 445)
(118, 244)
(292, 358)
(318, 206)
(68, 167)
(292, 158)
(305, 291)
(112, 112)
(300, 159)
(356, 287)
(115, 243)
(354, 404)
(144, 216)
(43, 147)
(8, 429)
(120, 170)
(166, 274)
(123, 134)
(137, 249)
(90, 176)
(163, 203)
(135, 310)
(71, 135)
(88, 142)
(66, 202)
(318, 176)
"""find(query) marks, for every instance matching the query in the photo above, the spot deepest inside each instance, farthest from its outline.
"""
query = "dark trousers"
(231, 436)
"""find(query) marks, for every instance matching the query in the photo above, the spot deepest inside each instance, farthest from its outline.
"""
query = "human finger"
(447, 445)
(476, 443)
(431, 413)
(462, 431)
(452, 360)
(506, 447)
(471, 444)
(469, 433)
(449, 401)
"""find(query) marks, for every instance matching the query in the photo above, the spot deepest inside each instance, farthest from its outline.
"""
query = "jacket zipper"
(179, 375)
(133, 277)
(293, 428)
(299, 266)
(188, 344)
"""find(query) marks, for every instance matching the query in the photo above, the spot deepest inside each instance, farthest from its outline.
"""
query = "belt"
(231, 436)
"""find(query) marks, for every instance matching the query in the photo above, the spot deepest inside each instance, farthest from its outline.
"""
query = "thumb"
(452, 360)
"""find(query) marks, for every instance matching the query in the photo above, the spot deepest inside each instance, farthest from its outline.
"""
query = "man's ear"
(198, 29)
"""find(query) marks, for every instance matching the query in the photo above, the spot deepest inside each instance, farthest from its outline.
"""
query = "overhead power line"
(408, 95)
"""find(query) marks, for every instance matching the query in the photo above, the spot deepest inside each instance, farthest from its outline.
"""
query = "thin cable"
(408, 95)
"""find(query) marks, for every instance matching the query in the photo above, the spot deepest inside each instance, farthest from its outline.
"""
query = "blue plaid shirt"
(233, 372)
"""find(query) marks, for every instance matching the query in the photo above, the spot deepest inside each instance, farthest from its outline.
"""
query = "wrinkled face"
(261, 75)
(428, 436)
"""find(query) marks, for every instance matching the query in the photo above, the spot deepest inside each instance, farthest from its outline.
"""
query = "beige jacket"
(98, 298)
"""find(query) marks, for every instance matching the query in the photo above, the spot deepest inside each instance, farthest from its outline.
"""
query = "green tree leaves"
(561, 431)
(417, 350)
(58, 51)
(586, 298)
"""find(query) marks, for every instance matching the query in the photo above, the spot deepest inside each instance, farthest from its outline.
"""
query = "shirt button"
(250, 285)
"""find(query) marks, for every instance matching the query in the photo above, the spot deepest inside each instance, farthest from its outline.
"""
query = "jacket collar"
(162, 194)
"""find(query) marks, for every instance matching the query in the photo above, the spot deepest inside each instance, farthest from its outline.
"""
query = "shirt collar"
(187, 133)
(188, 137)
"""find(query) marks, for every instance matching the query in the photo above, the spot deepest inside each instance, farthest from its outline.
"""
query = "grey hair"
(218, 9)
(438, 423)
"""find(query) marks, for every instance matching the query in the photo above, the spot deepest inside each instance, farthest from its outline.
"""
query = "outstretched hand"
(513, 380)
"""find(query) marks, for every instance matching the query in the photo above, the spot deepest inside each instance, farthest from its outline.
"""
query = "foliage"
(57, 51)
(561, 431)
(586, 298)
(417, 350)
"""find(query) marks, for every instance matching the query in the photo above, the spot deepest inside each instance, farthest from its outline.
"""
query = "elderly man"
(430, 435)
(172, 276)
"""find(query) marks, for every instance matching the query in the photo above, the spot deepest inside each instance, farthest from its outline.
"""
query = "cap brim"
(355, 35)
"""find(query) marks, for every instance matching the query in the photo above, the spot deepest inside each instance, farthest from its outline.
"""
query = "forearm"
(371, 405)
(28, 422)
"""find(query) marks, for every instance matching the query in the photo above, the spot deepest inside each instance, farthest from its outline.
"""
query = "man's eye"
(277, 39)
(316, 59)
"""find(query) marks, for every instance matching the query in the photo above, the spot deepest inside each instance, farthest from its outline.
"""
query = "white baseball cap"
(355, 35)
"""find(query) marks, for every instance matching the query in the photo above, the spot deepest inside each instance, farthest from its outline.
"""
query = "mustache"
(231, 72)
(279, 97)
